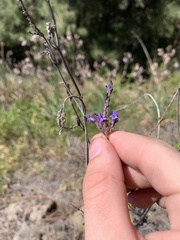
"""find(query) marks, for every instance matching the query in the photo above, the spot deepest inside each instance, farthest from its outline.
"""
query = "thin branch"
(162, 117)
(54, 21)
(156, 105)
(50, 48)
(145, 52)
(158, 112)
(59, 49)
(30, 21)
(84, 123)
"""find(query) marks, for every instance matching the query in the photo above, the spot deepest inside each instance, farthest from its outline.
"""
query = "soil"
(44, 201)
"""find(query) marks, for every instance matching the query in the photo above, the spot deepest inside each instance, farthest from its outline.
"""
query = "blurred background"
(134, 43)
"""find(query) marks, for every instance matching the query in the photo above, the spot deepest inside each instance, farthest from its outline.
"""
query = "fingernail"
(156, 198)
(95, 148)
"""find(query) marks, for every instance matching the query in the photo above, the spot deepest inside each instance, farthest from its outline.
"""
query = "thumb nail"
(95, 148)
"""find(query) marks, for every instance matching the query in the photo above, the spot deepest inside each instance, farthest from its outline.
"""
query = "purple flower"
(101, 118)
(90, 118)
(115, 118)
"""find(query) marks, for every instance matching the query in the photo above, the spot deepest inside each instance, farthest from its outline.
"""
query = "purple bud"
(109, 87)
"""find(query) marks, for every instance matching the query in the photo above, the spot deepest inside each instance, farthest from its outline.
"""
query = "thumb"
(104, 192)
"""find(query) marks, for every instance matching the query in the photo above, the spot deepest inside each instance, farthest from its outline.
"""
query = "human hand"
(124, 163)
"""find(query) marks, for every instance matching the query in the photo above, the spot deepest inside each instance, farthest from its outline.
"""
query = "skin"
(122, 164)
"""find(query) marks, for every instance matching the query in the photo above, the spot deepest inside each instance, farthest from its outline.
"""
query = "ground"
(47, 203)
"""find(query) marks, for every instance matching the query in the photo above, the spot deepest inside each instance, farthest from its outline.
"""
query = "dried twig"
(52, 45)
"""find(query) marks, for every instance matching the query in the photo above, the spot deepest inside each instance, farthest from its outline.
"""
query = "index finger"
(156, 160)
